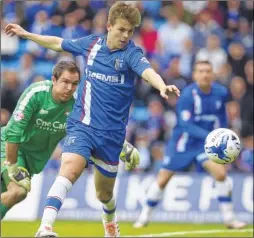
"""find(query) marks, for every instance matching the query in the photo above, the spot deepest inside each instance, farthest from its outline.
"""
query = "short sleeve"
(76, 46)
(138, 62)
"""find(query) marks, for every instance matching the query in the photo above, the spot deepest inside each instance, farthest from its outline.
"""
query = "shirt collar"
(104, 44)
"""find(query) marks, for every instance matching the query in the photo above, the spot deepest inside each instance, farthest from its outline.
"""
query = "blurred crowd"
(173, 34)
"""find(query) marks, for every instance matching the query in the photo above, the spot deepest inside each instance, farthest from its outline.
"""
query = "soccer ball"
(222, 146)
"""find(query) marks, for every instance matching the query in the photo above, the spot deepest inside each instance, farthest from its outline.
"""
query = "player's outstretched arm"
(50, 42)
(157, 82)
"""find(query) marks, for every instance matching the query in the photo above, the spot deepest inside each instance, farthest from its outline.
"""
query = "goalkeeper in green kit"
(37, 125)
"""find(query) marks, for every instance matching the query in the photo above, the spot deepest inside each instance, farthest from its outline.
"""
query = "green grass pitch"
(89, 229)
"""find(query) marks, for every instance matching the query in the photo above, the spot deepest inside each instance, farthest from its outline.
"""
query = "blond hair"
(121, 10)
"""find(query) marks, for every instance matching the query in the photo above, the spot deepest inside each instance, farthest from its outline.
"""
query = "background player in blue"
(97, 124)
(200, 109)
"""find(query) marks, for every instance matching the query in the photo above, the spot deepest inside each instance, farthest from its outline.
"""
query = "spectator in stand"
(237, 88)
(232, 18)
(224, 74)
(205, 26)
(149, 37)
(84, 11)
(33, 7)
(11, 90)
(173, 34)
(174, 73)
(244, 36)
(99, 22)
(8, 50)
(56, 26)
(151, 8)
(26, 69)
(217, 13)
(155, 124)
(64, 7)
(213, 52)
(248, 71)
(185, 15)
(72, 29)
(195, 7)
(237, 59)
(41, 25)
(246, 104)
(247, 10)
(234, 120)
(4, 117)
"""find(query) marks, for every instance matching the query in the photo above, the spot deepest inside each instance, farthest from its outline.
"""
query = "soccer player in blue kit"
(98, 121)
(200, 109)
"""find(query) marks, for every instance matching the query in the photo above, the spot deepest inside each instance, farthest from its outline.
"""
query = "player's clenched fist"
(130, 156)
(15, 29)
(19, 175)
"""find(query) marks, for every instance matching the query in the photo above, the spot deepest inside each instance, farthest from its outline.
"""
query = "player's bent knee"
(17, 194)
(104, 196)
(72, 166)
(220, 175)
(21, 194)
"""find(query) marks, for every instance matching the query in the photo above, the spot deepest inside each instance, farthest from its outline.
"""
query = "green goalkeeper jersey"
(38, 123)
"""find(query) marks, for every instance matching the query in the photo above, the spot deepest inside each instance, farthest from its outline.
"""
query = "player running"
(37, 125)
(97, 124)
(200, 109)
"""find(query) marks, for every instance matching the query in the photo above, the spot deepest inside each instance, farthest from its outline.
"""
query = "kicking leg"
(224, 191)
(104, 191)
(153, 197)
(72, 165)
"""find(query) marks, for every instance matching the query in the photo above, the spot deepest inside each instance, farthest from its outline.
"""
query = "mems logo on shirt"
(55, 126)
(106, 78)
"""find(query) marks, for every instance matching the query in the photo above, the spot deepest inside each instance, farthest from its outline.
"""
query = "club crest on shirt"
(118, 64)
(18, 115)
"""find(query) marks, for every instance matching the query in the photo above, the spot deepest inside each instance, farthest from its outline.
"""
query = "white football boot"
(111, 228)
(46, 231)
(235, 224)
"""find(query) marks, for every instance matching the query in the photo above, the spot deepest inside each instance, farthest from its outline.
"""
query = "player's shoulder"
(188, 89)
(39, 87)
(219, 89)
(132, 48)
(93, 37)
(89, 38)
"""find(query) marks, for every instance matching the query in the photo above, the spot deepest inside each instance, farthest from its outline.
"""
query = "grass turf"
(88, 229)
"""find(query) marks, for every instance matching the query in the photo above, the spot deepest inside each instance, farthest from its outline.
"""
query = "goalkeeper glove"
(19, 175)
(130, 156)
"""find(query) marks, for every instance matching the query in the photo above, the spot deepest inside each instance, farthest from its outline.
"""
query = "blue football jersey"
(198, 114)
(106, 91)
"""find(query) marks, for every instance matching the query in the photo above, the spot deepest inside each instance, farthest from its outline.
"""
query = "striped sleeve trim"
(30, 94)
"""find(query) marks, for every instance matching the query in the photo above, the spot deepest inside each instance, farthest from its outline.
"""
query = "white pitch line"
(168, 234)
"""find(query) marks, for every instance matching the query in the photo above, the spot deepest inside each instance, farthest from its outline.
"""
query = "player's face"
(203, 75)
(65, 86)
(119, 34)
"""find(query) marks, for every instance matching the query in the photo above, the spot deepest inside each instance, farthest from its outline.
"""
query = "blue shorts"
(178, 161)
(99, 147)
